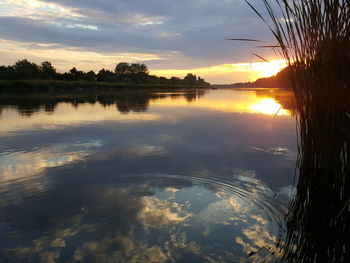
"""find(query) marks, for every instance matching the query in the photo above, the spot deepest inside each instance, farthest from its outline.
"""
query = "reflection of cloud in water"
(22, 164)
(171, 189)
(288, 153)
(146, 150)
(286, 193)
(146, 219)
(220, 211)
(49, 257)
(157, 213)
(128, 250)
(259, 243)
(21, 172)
(236, 211)
(259, 219)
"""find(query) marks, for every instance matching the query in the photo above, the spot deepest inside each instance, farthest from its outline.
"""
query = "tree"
(190, 79)
(73, 71)
(202, 82)
(122, 68)
(176, 81)
(105, 76)
(143, 68)
(65, 76)
(124, 72)
(90, 76)
(76, 75)
(47, 70)
(7, 72)
(138, 68)
(26, 70)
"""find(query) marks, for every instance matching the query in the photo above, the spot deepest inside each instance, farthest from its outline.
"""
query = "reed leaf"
(314, 38)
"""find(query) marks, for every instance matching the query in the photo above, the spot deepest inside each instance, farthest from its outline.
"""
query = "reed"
(314, 37)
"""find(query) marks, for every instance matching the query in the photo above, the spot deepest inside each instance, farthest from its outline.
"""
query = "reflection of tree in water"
(129, 102)
(175, 96)
(190, 97)
(125, 102)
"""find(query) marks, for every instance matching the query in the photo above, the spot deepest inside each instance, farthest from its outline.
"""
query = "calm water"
(136, 176)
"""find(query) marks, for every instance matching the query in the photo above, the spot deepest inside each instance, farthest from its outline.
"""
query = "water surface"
(145, 176)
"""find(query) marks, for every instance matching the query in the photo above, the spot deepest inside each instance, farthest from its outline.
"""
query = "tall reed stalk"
(314, 37)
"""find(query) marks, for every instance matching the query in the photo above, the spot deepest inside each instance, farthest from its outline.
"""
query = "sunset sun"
(268, 69)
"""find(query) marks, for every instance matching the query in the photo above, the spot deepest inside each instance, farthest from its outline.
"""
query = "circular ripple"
(145, 218)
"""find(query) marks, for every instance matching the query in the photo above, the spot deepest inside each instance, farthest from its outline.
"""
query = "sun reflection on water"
(268, 106)
(231, 101)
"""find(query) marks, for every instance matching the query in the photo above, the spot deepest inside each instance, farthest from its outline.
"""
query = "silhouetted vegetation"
(124, 73)
(314, 37)
(281, 81)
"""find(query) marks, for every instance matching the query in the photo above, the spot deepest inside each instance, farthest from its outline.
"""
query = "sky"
(172, 37)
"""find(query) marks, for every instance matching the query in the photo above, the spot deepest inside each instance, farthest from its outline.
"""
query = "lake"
(145, 176)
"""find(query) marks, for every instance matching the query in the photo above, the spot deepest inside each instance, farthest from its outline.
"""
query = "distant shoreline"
(280, 81)
(57, 85)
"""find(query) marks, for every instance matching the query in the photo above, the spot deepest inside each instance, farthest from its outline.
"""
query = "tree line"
(123, 72)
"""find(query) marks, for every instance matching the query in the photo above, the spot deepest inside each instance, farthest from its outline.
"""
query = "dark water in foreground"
(134, 176)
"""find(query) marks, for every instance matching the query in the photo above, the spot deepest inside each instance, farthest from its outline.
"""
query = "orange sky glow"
(226, 73)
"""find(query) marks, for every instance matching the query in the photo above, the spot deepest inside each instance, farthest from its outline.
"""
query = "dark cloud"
(196, 30)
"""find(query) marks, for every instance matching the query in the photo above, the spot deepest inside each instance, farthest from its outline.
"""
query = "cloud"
(151, 23)
(195, 30)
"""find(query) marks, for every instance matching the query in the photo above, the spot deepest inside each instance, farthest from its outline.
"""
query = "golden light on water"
(268, 106)
(229, 101)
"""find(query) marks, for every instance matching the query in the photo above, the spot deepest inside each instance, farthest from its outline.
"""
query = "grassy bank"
(55, 85)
